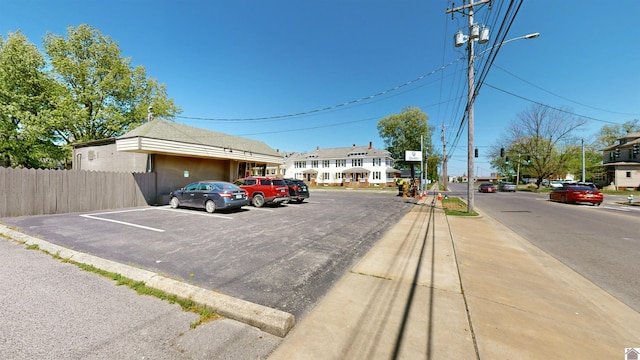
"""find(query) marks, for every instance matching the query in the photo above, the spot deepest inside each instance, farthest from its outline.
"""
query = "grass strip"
(206, 313)
(456, 207)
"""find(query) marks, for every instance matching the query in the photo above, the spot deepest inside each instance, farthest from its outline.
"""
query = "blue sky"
(234, 62)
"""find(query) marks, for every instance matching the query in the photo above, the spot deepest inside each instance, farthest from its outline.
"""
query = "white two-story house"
(348, 166)
(622, 162)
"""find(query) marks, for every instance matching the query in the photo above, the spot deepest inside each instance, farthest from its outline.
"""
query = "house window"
(325, 176)
(629, 174)
(339, 176)
(314, 163)
(341, 163)
(356, 162)
(325, 163)
(300, 164)
(376, 175)
(377, 161)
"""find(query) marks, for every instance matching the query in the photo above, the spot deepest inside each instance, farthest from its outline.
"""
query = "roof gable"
(167, 130)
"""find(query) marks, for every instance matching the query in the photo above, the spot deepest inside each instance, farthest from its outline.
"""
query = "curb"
(270, 320)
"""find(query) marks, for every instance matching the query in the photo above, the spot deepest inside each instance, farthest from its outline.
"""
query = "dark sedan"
(298, 190)
(209, 195)
(576, 194)
(487, 188)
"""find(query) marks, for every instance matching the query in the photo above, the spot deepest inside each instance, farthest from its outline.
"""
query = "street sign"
(412, 155)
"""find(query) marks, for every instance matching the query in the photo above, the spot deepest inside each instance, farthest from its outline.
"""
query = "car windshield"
(191, 187)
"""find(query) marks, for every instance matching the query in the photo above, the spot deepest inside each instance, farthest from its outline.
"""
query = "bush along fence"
(39, 191)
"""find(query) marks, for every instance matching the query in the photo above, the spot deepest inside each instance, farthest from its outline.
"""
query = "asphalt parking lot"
(284, 257)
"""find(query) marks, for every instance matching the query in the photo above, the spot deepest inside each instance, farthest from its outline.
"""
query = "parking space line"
(191, 212)
(121, 222)
(260, 209)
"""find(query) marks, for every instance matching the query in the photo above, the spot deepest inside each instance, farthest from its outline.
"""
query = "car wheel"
(258, 200)
(300, 201)
(175, 203)
(210, 206)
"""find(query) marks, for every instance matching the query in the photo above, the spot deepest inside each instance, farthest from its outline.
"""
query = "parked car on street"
(507, 186)
(576, 194)
(555, 183)
(264, 190)
(298, 190)
(209, 195)
(487, 188)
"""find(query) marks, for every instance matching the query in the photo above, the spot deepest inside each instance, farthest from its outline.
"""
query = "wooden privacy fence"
(37, 192)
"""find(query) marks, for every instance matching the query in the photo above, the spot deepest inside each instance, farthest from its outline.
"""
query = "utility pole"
(473, 35)
(444, 161)
(518, 172)
(421, 163)
(583, 170)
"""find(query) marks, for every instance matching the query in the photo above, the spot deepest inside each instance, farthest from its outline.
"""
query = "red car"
(487, 188)
(576, 194)
(264, 190)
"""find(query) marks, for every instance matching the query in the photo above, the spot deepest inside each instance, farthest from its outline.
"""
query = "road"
(600, 243)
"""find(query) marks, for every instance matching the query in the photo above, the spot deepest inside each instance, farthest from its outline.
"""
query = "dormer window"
(356, 154)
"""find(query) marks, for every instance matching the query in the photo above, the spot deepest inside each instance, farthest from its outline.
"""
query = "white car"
(555, 183)
(507, 186)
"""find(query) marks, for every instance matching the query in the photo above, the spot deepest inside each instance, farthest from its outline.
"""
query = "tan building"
(178, 154)
(622, 163)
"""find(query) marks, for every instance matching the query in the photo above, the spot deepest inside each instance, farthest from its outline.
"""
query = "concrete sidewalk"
(461, 288)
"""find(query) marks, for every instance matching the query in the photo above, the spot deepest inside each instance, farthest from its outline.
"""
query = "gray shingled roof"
(339, 153)
(167, 130)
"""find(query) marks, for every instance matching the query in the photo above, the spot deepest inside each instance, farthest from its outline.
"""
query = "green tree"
(540, 133)
(433, 163)
(608, 135)
(27, 96)
(402, 132)
(103, 95)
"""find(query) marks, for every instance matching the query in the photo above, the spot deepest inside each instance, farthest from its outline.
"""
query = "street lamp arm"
(528, 36)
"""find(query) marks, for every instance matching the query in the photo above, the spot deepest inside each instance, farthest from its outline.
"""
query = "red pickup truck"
(264, 190)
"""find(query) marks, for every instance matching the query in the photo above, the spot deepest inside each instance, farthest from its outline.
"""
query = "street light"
(482, 37)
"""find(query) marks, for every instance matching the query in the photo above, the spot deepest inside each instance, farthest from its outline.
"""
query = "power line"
(562, 97)
(549, 106)
(333, 107)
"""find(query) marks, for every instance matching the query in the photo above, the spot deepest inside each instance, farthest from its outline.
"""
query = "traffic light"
(501, 152)
(528, 159)
(506, 160)
(636, 149)
(476, 152)
(617, 152)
